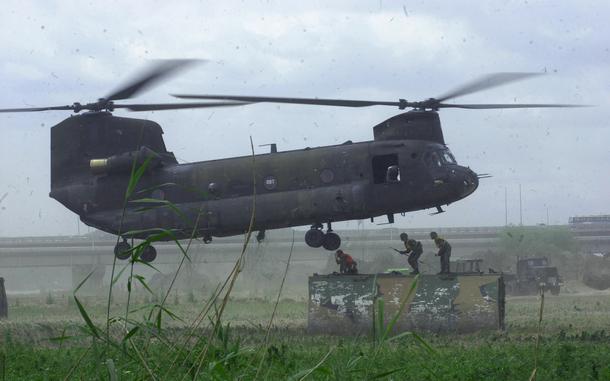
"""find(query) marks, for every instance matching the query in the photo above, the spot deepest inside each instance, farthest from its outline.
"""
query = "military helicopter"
(406, 167)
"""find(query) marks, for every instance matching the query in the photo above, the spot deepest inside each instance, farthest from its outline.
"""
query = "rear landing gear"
(149, 254)
(315, 237)
(122, 250)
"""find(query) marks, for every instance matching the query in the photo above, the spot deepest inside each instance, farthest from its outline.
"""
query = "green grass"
(478, 357)
(574, 345)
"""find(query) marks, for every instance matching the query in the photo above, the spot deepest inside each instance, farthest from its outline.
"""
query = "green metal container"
(349, 304)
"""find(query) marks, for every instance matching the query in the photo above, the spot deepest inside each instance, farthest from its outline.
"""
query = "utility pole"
(505, 206)
(520, 208)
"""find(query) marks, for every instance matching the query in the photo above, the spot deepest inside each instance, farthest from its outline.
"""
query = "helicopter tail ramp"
(350, 304)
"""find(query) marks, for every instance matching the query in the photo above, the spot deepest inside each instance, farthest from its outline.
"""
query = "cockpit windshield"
(432, 159)
(439, 158)
(448, 157)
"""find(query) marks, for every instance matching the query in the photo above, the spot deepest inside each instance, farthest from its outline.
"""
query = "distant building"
(590, 222)
(603, 219)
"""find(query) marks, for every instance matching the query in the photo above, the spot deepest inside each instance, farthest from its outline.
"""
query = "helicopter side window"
(385, 169)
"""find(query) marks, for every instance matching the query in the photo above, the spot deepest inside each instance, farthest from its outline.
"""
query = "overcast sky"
(55, 53)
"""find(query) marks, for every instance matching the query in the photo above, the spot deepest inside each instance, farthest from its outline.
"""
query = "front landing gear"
(332, 241)
(315, 237)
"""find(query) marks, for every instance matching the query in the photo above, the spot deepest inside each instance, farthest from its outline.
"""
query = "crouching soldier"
(346, 263)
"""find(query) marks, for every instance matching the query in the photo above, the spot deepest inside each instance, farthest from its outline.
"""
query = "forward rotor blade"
(486, 82)
(160, 70)
(33, 109)
(507, 105)
(177, 106)
(305, 101)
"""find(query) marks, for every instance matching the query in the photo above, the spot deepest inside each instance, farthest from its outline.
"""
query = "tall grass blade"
(401, 308)
(83, 282)
(135, 177)
(300, 376)
(92, 328)
(538, 335)
(111, 370)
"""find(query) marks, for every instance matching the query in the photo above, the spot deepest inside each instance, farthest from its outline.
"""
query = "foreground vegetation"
(295, 355)
(43, 340)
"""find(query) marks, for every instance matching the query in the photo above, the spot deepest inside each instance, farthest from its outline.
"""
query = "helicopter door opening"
(386, 169)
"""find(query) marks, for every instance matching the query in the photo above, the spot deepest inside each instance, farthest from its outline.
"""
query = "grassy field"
(47, 338)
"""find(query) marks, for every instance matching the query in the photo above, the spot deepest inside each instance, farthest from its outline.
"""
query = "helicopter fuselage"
(293, 188)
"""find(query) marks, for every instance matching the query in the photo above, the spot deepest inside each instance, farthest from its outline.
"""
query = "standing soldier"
(444, 252)
(346, 263)
(414, 249)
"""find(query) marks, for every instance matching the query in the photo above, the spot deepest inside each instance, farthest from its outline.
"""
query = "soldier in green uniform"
(414, 249)
(444, 252)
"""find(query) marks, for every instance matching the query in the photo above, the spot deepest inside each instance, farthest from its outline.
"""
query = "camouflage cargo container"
(345, 304)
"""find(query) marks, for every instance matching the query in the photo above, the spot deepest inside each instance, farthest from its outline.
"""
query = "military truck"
(533, 275)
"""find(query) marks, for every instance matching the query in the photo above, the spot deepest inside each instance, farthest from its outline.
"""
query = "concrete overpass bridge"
(32, 263)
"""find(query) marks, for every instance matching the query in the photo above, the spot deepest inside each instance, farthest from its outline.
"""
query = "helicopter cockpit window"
(448, 157)
(432, 159)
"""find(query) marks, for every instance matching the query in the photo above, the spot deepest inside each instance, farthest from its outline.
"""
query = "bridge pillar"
(3, 301)
(94, 285)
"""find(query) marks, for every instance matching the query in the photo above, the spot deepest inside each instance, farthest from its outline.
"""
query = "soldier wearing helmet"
(414, 249)
(444, 252)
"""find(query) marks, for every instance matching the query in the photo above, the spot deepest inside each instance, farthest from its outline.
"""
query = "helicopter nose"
(470, 181)
(464, 180)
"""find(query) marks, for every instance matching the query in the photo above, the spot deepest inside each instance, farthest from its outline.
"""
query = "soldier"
(414, 249)
(346, 263)
(444, 252)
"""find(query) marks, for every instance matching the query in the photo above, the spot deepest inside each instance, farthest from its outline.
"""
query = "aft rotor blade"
(34, 109)
(507, 105)
(160, 70)
(176, 106)
(486, 82)
(303, 101)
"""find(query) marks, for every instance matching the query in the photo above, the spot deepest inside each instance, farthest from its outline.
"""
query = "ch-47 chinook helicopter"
(407, 167)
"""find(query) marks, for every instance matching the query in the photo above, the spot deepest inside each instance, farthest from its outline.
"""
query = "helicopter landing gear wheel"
(149, 254)
(314, 237)
(121, 250)
(332, 241)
